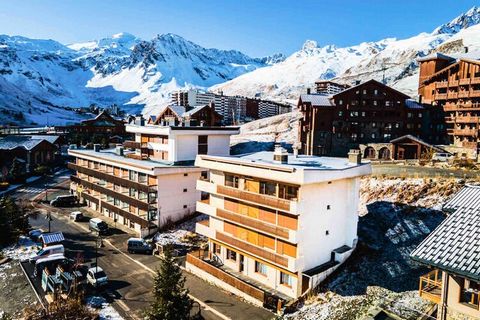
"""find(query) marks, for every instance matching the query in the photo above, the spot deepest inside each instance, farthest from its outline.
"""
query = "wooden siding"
(261, 199)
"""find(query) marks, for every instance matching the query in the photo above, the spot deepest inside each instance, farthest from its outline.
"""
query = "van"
(441, 156)
(138, 245)
(64, 201)
(98, 225)
(51, 261)
(47, 251)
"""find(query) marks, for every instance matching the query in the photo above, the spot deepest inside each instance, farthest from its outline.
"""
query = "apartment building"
(204, 115)
(451, 250)
(370, 112)
(278, 224)
(328, 87)
(453, 86)
(148, 182)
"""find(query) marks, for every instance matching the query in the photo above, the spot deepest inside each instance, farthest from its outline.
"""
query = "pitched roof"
(409, 136)
(25, 142)
(375, 82)
(193, 111)
(467, 198)
(436, 55)
(49, 138)
(317, 99)
(412, 104)
(454, 246)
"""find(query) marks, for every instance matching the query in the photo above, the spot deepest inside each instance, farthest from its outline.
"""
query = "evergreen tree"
(13, 220)
(16, 169)
(170, 298)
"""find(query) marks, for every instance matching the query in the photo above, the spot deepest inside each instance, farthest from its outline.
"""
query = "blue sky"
(257, 28)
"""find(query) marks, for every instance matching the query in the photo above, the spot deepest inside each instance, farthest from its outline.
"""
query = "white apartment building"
(278, 224)
(151, 181)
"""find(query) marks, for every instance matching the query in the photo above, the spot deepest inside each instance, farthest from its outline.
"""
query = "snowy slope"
(390, 58)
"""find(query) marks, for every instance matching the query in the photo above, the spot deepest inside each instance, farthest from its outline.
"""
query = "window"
(185, 174)
(375, 91)
(374, 135)
(339, 135)
(375, 102)
(353, 113)
(287, 192)
(202, 144)
(231, 255)
(409, 115)
(132, 176)
(469, 293)
(340, 113)
(142, 195)
(268, 188)
(420, 115)
(217, 248)
(260, 268)
(231, 181)
(364, 91)
(340, 102)
(374, 124)
(388, 103)
(184, 206)
(132, 193)
(328, 207)
(185, 190)
(285, 279)
(142, 178)
(327, 232)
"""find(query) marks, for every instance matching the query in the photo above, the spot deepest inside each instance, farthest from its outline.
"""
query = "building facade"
(328, 87)
(453, 86)
(451, 250)
(370, 112)
(278, 224)
(150, 182)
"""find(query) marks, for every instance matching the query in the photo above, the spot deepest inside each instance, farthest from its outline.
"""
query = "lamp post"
(46, 192)
(98, 244)
(49, 219)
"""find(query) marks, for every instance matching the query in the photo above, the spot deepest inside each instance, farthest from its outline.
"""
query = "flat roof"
(110, 155)
(303, 162)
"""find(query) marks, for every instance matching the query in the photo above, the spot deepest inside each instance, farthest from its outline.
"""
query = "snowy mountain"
(40, 80)
(390, 59)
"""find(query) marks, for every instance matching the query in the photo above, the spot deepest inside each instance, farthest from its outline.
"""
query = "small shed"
(52, 238)
(411, 147)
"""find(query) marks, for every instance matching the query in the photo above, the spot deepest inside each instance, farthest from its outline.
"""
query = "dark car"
(138, 245)
(64, 201)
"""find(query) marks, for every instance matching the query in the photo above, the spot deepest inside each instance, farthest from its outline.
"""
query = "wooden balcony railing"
(464, 94)
(452, 95)
(442, 84)
(111, 178)
(253, 223)
(463, 82)
(257, 198)
(475, 93)
(465, 132)
(453, 83)
(440, 96)
(465, 119)
(109, 192)
(270, 256)
(431, 286)
(132, 217)
(196, 258)
(470, 144)
(461, 107)
(475, 80)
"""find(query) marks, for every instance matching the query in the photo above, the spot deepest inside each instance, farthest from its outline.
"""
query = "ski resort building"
(451, 250)
(328, 87)
(453, 87)
(278, 224)
(148, 182)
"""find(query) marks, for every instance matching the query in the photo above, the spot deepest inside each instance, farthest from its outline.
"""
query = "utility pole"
(49, 219)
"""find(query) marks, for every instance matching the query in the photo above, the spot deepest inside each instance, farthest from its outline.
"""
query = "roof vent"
(97, 147)
(280, 155)
(119, 150)
(308, 91)
(354, 156)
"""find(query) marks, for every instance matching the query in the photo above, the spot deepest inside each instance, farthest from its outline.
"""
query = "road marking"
(200, 302)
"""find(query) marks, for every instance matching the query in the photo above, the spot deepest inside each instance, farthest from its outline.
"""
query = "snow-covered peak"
(34, 45)
(463, 21)
(309, 45)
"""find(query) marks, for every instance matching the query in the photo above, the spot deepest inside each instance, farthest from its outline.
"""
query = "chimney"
(119, 150)
(354, 156)
(280, 155)
(96, 147)
(139, 120)
(308, 91)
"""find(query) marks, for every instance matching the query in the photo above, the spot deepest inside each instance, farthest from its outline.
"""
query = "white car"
(76, 216)
(441, 156)
(97, 277)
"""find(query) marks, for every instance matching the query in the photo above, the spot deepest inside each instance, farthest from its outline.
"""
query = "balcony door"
(242, 263)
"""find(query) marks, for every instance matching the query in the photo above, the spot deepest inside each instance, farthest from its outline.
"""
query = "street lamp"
(49, 219)
(98, 244)
(46, 192)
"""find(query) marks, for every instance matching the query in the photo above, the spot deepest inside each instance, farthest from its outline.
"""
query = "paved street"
(131, 276)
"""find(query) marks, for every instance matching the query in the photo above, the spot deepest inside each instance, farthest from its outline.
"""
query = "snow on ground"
(396, 214)
(22, 250)
(104, 309)
(178, 234)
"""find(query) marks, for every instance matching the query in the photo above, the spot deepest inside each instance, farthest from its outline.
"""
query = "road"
(131, 276)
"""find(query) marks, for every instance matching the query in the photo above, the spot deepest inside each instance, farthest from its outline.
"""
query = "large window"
(285, 279)
(231, 181)
(231, 255)
(260, 268)
(287, 192)
(470, 293)
(133, 176)
(268, 188)
(142, 178)
(202, 144)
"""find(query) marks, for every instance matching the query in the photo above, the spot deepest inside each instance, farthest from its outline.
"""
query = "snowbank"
(104, 309)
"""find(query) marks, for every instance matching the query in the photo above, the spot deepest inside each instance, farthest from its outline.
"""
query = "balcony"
(440, 96)
(475, 80)
(283, 261)
(132, 144)
(442, 84)
(464, 94)
(464, 82)
(257, 198)
(475, 93)
(206, 186)
(203, 228)
(123, 181)
(431, 286)
(464, 132)
(461, 107)
(470, 144)
(465, 119)
(453, 83)
(452, 95)
(144, 223)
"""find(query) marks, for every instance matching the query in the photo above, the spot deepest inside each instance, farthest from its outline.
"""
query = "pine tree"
(170, 298)
(15, 169)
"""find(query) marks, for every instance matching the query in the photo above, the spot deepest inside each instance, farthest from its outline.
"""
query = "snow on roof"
(179, 110)
(26, 142)
(412, 104)
(436, 55)
(467, 198)
(49, 138)
(453, 245)
(317, 99)
(193, 111)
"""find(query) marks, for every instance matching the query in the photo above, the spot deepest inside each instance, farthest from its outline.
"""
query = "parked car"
(35, 234)
(97, 277)
(76, 216)
(49, 261)
(441, 156)
(64, 201)
(98, 225)
(139, 245)
(47, 251)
